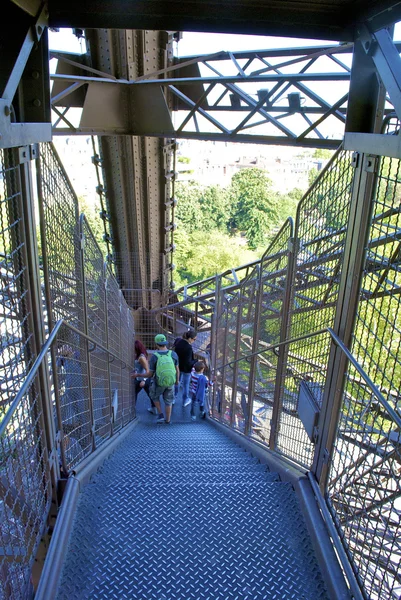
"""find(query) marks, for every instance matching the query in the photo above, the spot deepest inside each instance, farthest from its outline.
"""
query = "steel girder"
(137, 170)
(325, 19)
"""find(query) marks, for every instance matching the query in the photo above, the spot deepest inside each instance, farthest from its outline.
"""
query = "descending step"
(181, 513)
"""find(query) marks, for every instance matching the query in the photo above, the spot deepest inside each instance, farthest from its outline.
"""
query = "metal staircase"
(182, 512)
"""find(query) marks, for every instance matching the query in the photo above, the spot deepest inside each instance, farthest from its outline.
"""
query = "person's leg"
(168, 397)
(193, 417)
(154, 394)
(152, 409)
(186, 378)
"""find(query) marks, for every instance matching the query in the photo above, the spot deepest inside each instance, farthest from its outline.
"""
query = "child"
(199, 387)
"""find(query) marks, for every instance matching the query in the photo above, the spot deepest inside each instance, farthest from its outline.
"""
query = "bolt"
(37, 102)
(35, 74)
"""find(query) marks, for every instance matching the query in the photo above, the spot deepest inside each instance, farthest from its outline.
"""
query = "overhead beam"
(386, 58)
(271, 17)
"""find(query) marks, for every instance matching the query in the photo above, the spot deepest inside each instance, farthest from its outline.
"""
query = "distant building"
(215, 163)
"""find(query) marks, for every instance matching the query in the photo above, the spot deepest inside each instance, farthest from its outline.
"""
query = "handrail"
(29, 378)
(34, 369)
(366, 377)
(273, 346)
(213, 277)
(349, 356)
(96, 344)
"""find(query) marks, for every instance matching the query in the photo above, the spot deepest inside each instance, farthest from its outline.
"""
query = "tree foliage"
(255, 205)
(220, 228)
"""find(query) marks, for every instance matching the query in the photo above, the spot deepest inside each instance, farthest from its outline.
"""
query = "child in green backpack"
(164, 371)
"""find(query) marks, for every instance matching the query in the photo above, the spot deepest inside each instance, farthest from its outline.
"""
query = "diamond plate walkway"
(180, 512)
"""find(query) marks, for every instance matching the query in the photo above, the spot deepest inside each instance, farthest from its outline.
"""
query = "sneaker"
(193, 418)
(167, 422)
(152, 410)
(187, 402)
(160, 418)
(202, 414)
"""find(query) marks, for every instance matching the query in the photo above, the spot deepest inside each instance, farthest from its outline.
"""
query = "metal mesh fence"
(93, 374)
(273, 285)
(73, 395)
(61, 243)
(24, 472)
(363, 490)
(25, 492)
(320, 233)
(15, 319)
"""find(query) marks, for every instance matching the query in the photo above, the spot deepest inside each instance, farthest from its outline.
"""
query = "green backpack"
(166, 373)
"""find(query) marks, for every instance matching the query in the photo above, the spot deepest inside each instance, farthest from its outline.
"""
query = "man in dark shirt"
(186, 361)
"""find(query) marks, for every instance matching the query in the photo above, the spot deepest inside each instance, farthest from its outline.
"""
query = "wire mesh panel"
(25, 490)
(363, 489)
(246, 330)
(127, 350)
(305, 373)
(273, 282)
(16, 332)
(74, 395)
(94, 285)
(320, 231)
(25, 493)
(321, 226)
(113, 297)
(227, 338)
(61, 244)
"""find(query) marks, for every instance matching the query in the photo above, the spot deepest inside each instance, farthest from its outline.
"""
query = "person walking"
(164, 374)
(186, 360)
(200, 385)
(142, 367)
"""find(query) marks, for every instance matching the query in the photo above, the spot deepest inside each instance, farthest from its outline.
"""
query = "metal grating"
(364, 493)
(210, 494)
(25, 493)
(61, 242)
(15, 320)
(25, 490)
(320, 234)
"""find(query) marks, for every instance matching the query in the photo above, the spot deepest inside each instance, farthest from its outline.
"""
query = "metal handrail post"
(283, 350)
(237, 351)
(214, 337)
(255, 344)
(106, 320)
(50, 317)
(86, 328)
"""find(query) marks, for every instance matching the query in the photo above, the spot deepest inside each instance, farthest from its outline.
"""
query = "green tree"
(210, 253)
(188, 213)
(255, 205)
(313, 173)
(216, 209)
(92, 213)
(323, 153)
